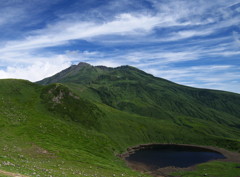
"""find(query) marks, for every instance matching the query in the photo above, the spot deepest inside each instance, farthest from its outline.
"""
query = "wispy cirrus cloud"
(64, 31)
(236, 36)
(207, 76)
(166, 15)
(126, 24)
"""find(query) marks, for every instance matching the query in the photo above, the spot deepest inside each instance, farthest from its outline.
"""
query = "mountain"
(129, 89)
(76, 122)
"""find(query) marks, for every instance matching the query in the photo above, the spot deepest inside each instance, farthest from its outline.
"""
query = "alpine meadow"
(76, 122)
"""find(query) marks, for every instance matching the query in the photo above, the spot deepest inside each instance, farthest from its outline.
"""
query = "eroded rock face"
(59, 92)
(62, 101)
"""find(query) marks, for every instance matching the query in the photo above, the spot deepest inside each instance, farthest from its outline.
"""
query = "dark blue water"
(173, 155)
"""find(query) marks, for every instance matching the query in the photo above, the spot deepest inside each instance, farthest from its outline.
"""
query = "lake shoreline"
(229, 157)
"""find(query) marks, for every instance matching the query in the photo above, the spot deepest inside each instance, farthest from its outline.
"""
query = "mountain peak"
(86, 73)
(83, 64)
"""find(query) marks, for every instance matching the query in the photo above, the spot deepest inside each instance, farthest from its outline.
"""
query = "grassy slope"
(134, 91)
(129, 89)
(52, 130)
(213, 169)
(36, 141)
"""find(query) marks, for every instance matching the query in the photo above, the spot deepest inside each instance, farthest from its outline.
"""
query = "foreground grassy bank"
(223, 169)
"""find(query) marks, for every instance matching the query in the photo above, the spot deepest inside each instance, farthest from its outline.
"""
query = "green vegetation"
(213, 169)
(77, 122)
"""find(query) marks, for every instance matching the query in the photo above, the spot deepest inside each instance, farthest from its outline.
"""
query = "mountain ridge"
(114, 84)
(81, 65)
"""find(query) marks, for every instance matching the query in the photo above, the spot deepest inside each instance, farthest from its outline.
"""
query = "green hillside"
(76, 122)
(131, 90)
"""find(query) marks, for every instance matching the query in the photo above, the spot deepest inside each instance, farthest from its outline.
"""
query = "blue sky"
(195, 43)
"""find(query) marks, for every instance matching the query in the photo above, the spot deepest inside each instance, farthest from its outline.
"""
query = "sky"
(194, 43)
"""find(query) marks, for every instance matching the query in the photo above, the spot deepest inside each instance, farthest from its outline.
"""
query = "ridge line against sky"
(196, 43)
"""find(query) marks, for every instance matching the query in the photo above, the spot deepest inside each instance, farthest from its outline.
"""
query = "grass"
(36, 141)
(213, 169)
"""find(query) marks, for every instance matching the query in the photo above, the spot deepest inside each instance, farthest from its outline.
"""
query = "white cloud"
(221, 77)
(37, 70)
(231, 86)
(65, 31)
(180, 13)
(181, 73)
(191, 33)
(10, 15)
(236, 37)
